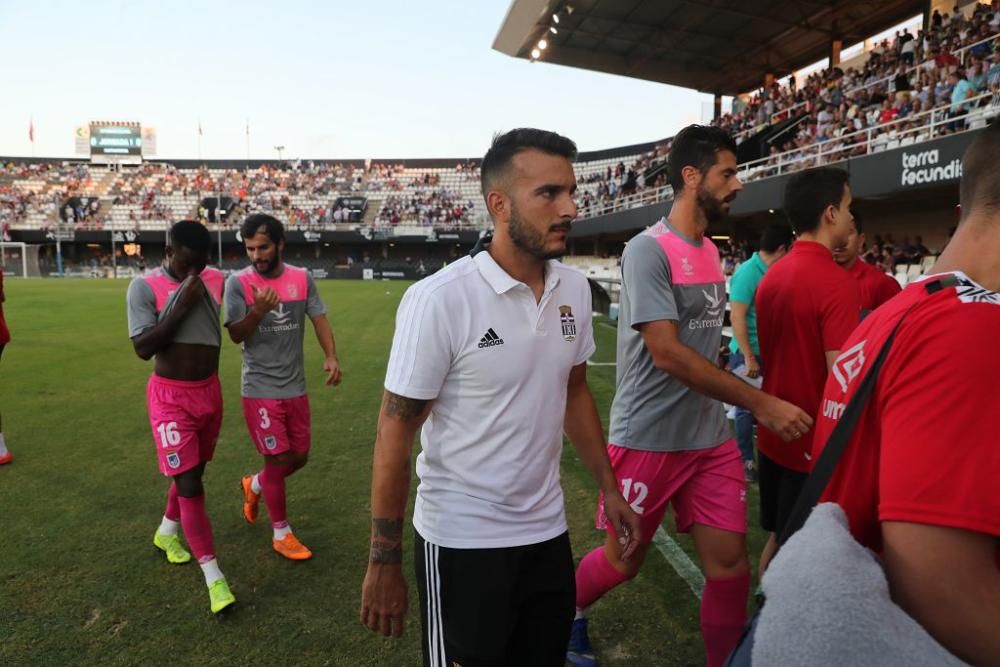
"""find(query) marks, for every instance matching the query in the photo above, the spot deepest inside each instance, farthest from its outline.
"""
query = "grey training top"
(273, 360)
(666, 276)
(153, 295)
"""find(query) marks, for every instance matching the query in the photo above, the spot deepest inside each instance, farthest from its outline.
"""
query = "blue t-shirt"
(742, 288)
(961, 89)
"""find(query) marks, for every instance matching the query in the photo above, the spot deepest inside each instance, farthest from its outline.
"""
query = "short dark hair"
(696, 146)
(272, 227)
(192, 235)
(980, 185)
(808, 193)
(857, 220)
(505, 146)
(775, 235)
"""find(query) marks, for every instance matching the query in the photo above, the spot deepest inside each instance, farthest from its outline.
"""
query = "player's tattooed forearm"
(387, 541)
(402, 407)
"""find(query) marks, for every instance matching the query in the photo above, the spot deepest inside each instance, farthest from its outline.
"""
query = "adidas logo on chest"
(490, 339)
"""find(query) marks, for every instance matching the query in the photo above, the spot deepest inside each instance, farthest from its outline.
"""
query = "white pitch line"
(610, 326)
(679, 560)
(600, 363)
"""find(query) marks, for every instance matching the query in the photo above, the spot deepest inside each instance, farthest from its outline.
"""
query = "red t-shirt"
(876, 287)
(4, 332)
(925, 449)
(888, 115)
(806, 305)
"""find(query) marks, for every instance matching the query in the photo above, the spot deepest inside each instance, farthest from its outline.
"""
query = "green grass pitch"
(80, 582)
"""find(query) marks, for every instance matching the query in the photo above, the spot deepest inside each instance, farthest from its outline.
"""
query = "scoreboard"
(123, 140)
(114, 142)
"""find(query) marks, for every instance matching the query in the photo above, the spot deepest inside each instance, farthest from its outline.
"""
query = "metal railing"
(930, 124)
(920, 127)
(959, 54)
(889, 79)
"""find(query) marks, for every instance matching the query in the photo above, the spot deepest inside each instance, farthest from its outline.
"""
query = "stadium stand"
(897, 93)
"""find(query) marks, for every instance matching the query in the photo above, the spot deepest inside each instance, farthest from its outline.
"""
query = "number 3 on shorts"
(169, 437)
(641, 491)
(265, 420)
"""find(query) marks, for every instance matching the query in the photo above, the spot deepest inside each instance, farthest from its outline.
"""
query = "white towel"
(828, 604)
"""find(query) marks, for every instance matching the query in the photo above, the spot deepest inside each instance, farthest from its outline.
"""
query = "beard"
(530, 240)
(711, 206)
(266, 267)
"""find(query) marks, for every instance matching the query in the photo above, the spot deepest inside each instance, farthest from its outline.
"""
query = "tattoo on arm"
(402, 407)
(387, 541)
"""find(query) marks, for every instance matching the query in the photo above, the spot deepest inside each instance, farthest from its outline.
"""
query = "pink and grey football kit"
(275, 404)
(672, 442)
(669, 444)
(185, 416)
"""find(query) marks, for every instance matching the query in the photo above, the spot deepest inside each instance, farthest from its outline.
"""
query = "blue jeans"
(744, 418)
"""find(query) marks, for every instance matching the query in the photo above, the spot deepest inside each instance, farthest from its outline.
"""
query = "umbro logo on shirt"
(490, 338)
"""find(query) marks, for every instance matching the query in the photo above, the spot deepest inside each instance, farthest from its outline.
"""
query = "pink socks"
(594, 577)
(173, 511)
(197, 529)
(723, 615)
(272, 483)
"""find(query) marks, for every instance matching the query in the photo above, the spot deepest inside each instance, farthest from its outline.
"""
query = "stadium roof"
(714, 46)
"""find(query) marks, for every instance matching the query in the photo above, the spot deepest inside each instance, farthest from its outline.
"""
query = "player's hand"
(264, 301)
(332, 368)
(384, 599)
(625, 522)
(753, 367)
(192, 290)
(784, 419)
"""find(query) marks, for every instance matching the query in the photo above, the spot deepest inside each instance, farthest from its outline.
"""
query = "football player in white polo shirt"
(489, 358)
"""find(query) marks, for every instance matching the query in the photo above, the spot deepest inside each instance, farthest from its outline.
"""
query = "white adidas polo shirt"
(496, 363)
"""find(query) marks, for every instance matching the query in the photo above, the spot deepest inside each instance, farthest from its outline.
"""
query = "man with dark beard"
(266, 308)
(669, 438)
(490, 357)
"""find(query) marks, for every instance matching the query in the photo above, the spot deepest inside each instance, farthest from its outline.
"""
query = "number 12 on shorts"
(641, 491)
(169, 436)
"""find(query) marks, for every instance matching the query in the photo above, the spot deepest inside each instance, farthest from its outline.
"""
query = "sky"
(335, 79)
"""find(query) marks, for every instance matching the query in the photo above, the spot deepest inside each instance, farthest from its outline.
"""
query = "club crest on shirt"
(293, 291)
(270, 442)
(174, 460)
(568, 322)
(686, 267)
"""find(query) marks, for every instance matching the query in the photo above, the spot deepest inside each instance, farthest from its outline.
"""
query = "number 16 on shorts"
(170, 438)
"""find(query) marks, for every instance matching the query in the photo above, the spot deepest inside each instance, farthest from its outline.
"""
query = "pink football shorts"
(185, 417)
(278, 425)
(705, 486)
